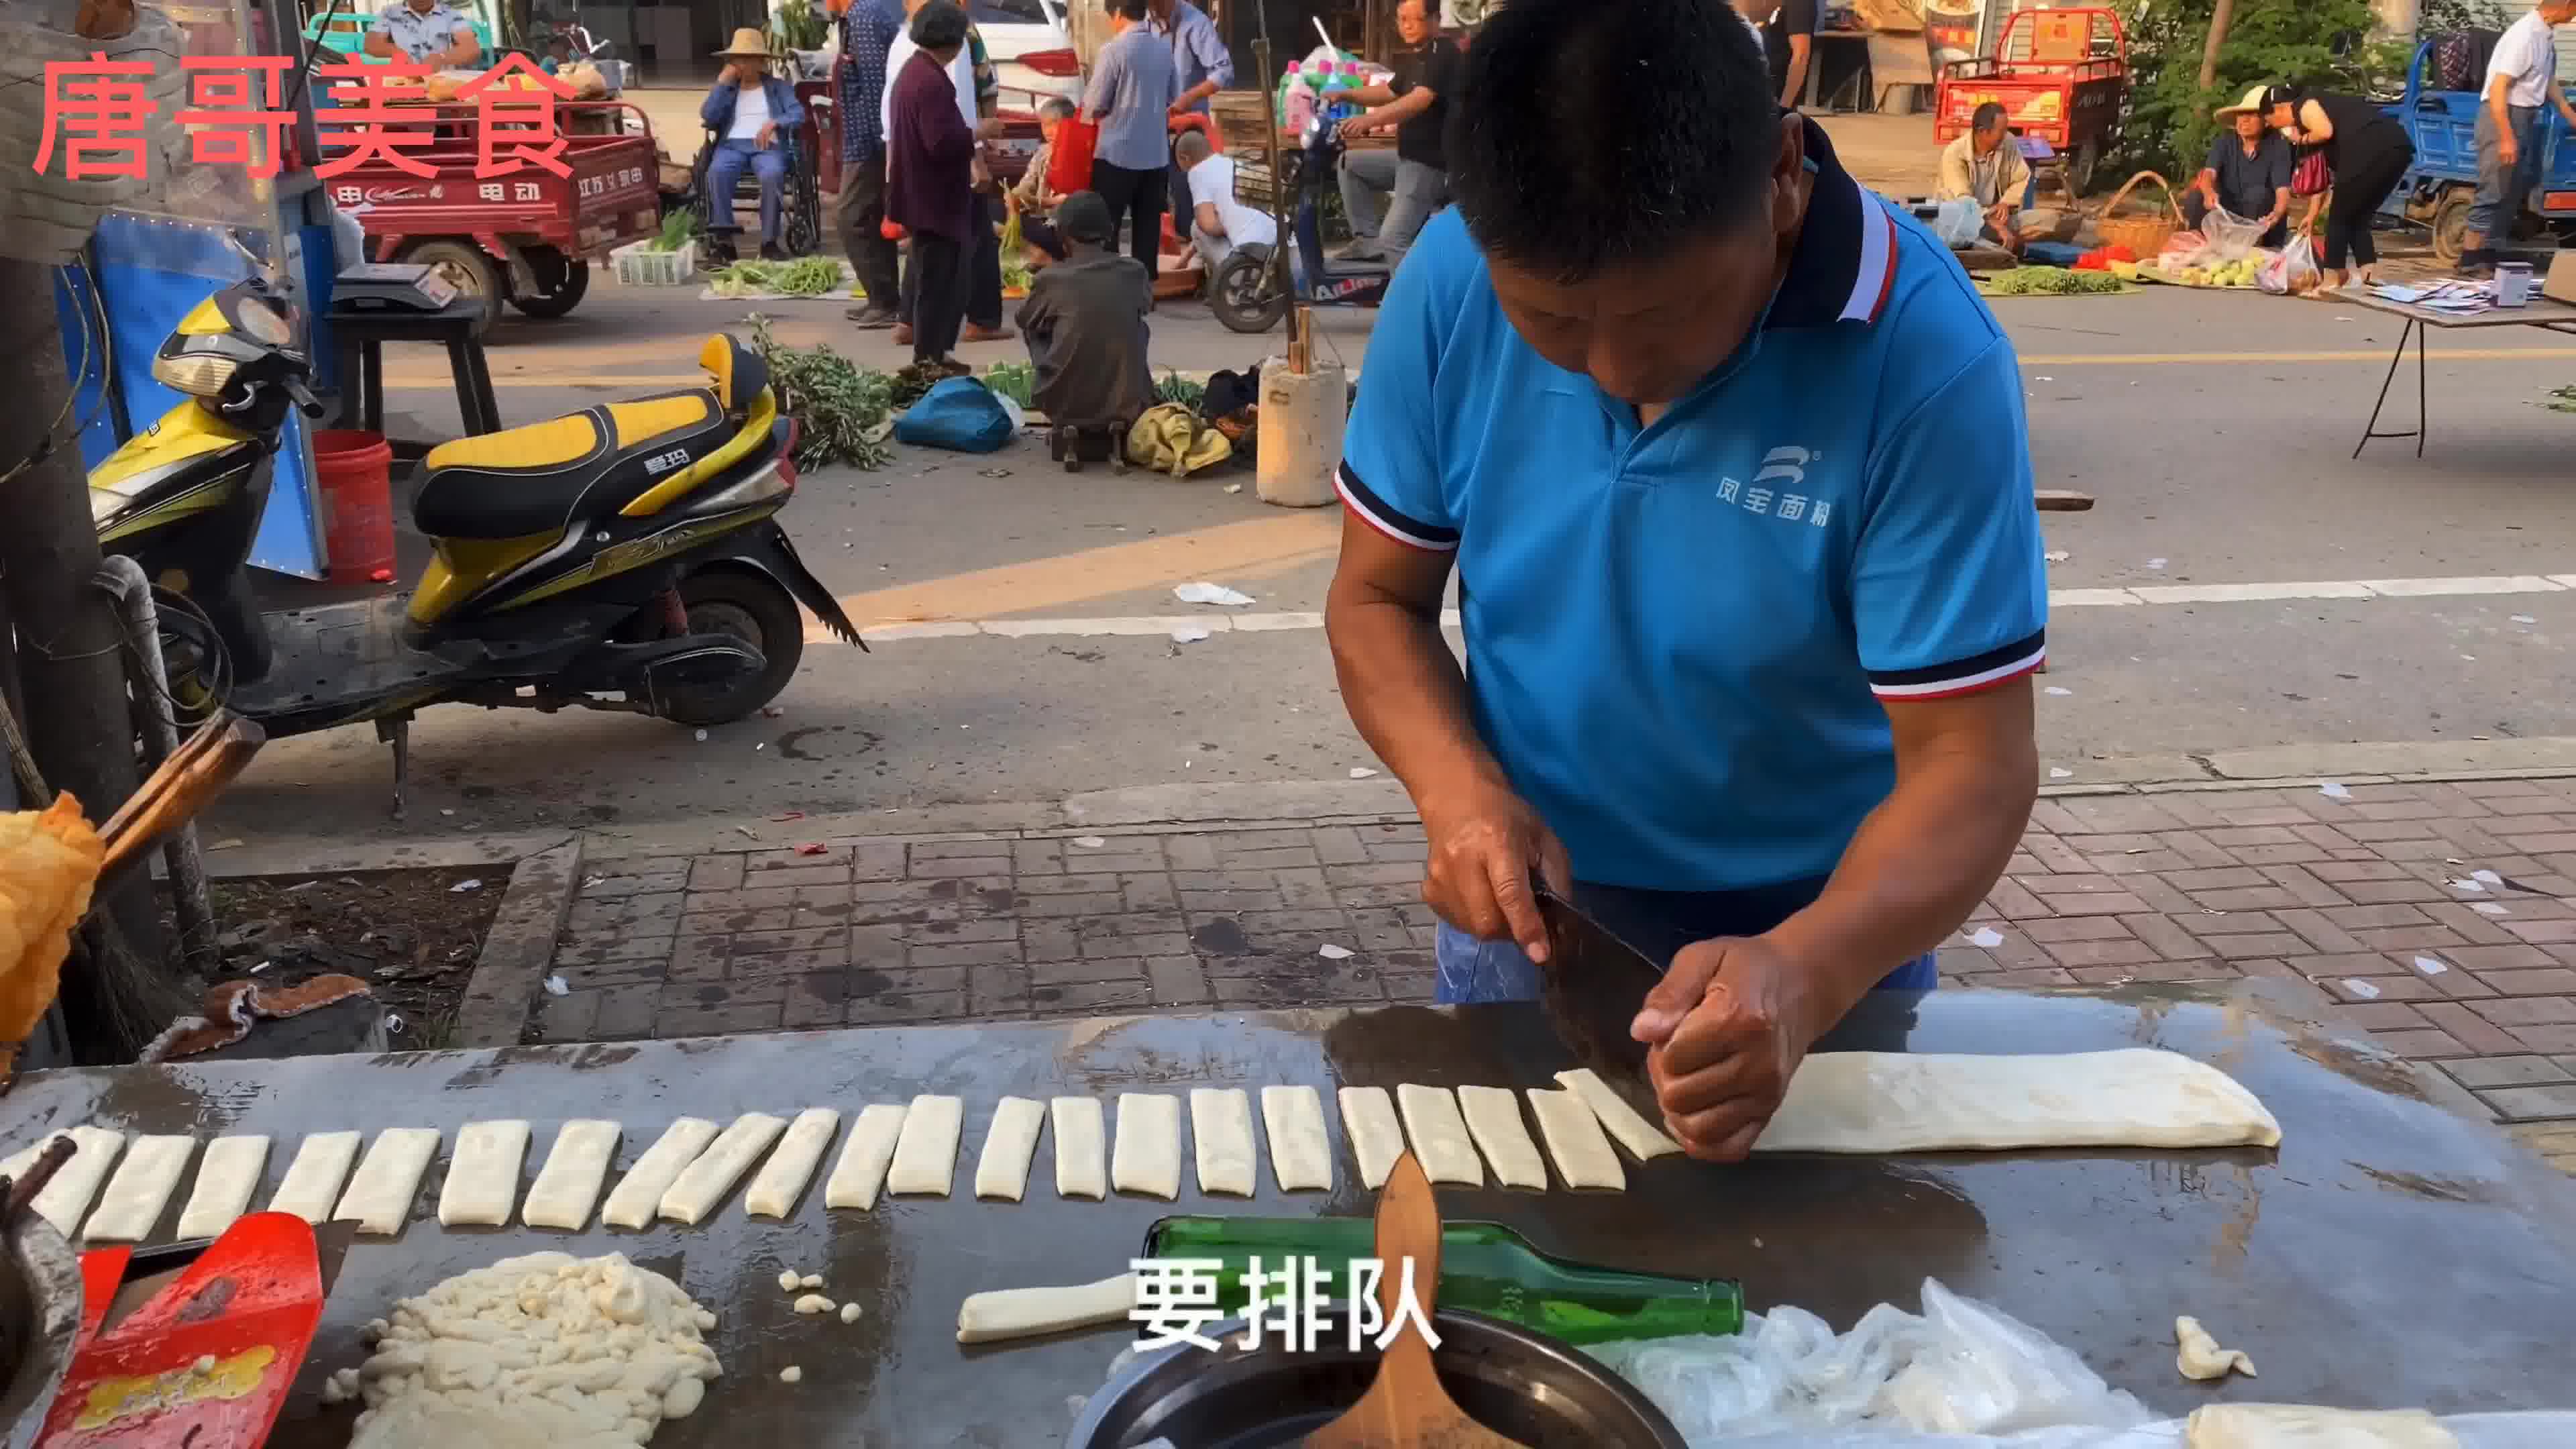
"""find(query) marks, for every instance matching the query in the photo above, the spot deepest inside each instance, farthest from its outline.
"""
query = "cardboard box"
(2561, 285)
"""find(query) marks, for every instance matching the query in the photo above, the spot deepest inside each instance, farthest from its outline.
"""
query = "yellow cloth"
(1169, 438)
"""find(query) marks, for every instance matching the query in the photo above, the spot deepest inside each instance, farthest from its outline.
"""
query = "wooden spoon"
(1405, 1407)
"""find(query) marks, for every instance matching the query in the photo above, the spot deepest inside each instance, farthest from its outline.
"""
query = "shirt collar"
(1845, 263)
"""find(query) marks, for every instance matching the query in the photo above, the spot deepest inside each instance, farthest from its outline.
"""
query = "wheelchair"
(800, 223)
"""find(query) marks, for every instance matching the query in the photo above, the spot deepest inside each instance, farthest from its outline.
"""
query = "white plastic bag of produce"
(2292, 269)
(2229, 236)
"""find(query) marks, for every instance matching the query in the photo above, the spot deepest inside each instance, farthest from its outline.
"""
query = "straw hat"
(748, 44)
(2253, 102)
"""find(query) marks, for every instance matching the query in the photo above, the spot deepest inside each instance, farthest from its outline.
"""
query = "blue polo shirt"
(1682, 640)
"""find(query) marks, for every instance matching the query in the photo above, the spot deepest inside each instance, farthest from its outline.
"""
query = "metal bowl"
(1515, 1382)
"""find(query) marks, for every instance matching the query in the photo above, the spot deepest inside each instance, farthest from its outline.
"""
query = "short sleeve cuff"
(1966, 676)
(1375, 511)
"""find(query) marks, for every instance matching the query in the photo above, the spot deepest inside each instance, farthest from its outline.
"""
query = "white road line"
(2104, 598)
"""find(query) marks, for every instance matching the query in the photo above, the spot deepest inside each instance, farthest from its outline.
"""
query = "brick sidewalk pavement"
(2354, 897)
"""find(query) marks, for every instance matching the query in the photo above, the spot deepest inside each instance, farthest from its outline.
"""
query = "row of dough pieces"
(904, 1150)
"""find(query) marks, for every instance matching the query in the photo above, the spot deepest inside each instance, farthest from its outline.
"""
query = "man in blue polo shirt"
(1730, 461)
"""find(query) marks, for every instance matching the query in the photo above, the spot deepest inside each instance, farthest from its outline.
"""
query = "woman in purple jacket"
(930, 184)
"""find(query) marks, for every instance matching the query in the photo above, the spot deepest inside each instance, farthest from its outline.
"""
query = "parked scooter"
(1253, 290)
(626, 557)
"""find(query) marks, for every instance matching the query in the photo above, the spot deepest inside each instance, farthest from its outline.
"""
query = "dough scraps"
(865, 1157)
(1147, 1158)
(1221, 1134)
(1439, 1135)
(483, 1177)
(1009, 1144)
(1929, 1102)
(1584, 1156)
(1081, 1148)
(1301, 1153)
(782, 1178)
(1027, 1312)
(2201, 1357)
(568, 1185)
(1494, 1120)
(132, 1205)
(1377, 1136)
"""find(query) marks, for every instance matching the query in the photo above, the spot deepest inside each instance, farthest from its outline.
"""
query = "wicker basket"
(640, 266)
(2144, 236)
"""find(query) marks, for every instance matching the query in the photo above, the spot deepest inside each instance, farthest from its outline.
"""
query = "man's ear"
(1789, 174)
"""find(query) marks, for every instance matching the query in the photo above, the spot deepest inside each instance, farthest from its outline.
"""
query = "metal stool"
(358, 339)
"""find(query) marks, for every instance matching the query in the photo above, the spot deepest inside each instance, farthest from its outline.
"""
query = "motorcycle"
(626, 557)
(1252, 291)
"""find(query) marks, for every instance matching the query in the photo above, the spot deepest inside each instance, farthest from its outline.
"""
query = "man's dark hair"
(1587, 133)
(1988, 116)
(1127, 9)
(1084, 217)
(939, 25)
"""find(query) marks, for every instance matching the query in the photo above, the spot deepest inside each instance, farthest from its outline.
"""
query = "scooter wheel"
(754, 608)
(1248, 293)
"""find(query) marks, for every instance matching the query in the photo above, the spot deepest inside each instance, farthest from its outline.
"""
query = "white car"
(1032, 52)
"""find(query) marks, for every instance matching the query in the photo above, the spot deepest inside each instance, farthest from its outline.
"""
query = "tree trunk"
(2219, 21)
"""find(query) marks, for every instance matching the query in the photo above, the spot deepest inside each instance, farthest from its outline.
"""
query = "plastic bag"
(2291, 270)
(1958, 222)
(2182, 249)
(959, 414)
(2229, 236)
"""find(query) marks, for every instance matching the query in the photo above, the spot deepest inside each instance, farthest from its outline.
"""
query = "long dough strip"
(1301, 1153)
(1376, 1133)
(483, 1177)
(313, 1178)
(1439, 1134)
(1494, 1121)
(1081, 1148)
(226, 1178)
(1026, 1312)
(381, 1191)
(1147, 1157)
(1643, 1139)
(1584, 1156)
(631, 1203)
(141, 1188)
(1221, 1136)
(568, 1185)
(783, 1177)
(65, 1200)
(864, 1160)
(1009, 1144)
(703, 1183)
(925, 1156)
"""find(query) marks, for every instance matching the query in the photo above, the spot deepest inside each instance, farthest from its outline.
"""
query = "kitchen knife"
(1592, 987)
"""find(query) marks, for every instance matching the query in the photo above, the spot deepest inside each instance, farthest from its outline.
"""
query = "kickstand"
(397, 733)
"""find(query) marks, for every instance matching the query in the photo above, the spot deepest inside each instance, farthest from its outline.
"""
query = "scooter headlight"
(264, 323)
(198, 374)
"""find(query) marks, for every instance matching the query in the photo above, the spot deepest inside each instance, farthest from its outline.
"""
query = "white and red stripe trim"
(1875, 278)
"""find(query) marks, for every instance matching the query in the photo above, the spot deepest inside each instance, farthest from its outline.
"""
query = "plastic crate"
(640, 266)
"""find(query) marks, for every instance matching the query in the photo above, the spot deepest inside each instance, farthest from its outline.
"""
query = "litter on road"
(2333, 790)
(1206, 593)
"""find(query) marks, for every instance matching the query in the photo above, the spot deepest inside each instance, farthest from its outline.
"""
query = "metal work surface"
(2390, 1254)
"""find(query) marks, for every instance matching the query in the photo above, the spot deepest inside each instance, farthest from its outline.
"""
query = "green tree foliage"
(2324, 43)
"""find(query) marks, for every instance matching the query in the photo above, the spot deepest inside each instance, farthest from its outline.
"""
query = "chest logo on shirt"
(1769, 494)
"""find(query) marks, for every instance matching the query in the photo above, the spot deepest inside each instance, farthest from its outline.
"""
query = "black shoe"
(772, 252)
(2477, 266)
(720, 251)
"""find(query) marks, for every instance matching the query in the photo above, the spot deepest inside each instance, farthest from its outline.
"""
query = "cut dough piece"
(814, 1303)
(1899, 1102)
(631, 1204)
(380, 1192)
(703, 1184)
(864, 1158)
(925, 1156)
(1301, 1154)
(226, 1179)
(1494, 1120)
(1147, 1158)
(65, 1200)
(568, 1184)
(132, 1205)
(2299, 1426)
(1003, 1170)
(783, 1177)
(1081, 1148)
(1644, 1140)
(1439, 1135)
(1584, 1156)
(2201, 1357)
(1221, 1134)
(1377, 1136)
(1026, 1312)
(483, 1177)
(312, 1182)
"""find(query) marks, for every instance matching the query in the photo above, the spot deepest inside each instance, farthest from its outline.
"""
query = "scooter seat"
(539, 478)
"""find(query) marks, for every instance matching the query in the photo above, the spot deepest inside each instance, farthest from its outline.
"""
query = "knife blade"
(1591, 988)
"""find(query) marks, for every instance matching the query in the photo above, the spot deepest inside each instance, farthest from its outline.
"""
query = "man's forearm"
(1796, 86)
(1919, 865)
(1196, 94)
(1407, 695)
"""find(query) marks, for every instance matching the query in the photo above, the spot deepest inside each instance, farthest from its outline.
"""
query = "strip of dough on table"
(132, 1204)
(703, 1183)
(861, 1171)
(1081, 1148)
(2303, 1426)
(1439, 1135)
(1584, 1156)
(1932, 1102)
(1376, 1133)
(568, 1185)
(226, 1178)
(1301, 1152)
(1147, 1157)
(379, 1196)
(639, 1192)
(1644, 1140)
(1026, 1312)
(313, 1177)
(925, 1155)
(1221, 1138)
(65, 1200)
(1494, 1121)
(782, 1178)
(483, 1177)
(1002, 1171)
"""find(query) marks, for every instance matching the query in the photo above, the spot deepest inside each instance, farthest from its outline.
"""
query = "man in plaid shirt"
(867, 31)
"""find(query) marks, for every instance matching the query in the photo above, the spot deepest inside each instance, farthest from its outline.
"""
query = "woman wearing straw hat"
(750, 111)
(2247, 174)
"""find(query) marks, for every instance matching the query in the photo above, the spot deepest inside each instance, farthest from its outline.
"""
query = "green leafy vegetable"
(843, 411)
(1014, 380)
(677, 228)
(803, 277)
(2562, 400)
(2050, 282)
(1174, 388)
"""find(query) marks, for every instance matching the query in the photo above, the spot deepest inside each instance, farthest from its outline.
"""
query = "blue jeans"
(725, 168)
(2502, 189)
(1658, 923)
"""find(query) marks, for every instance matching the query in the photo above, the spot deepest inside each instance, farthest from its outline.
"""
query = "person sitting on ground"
(751, 113)
(2247, 174)
(1985, 166)
(1032, 199)
(1219, 222)
(1085, 324)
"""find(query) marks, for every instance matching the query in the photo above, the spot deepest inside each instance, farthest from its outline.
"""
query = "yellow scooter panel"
(183, 432)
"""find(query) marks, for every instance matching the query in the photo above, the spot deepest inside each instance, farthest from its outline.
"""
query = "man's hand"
(989, 129)
(2507, 150)
(1726, 1029)
(768, 133)
(1357, 126)
(1482, 850)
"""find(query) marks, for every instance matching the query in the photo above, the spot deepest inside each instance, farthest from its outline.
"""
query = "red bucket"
(353, 478)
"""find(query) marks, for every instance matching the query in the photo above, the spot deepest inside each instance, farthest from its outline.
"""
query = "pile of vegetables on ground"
(2050, 282)
(803, 277)
(843, 411)
(678, 229)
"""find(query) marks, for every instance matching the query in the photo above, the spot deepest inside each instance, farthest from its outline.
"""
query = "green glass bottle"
(1484, 1268)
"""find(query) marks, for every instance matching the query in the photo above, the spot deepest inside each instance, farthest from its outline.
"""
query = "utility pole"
(2219, 21)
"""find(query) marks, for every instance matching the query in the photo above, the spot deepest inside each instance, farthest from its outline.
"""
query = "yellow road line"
(1255, 547)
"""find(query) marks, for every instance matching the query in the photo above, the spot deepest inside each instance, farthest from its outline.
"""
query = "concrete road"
(2243, 581)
